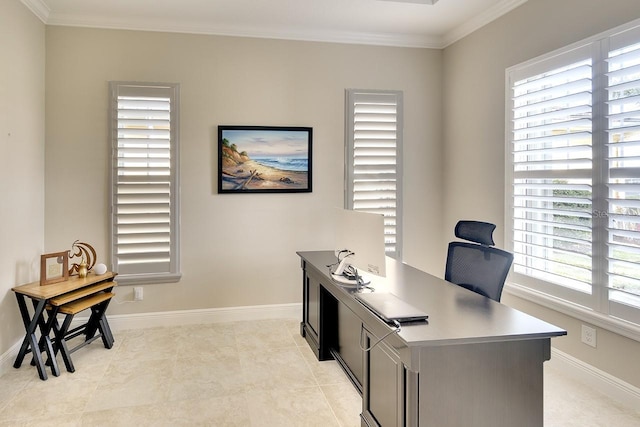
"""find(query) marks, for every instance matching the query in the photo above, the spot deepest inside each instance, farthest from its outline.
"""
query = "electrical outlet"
(589, 335)
(137, 293)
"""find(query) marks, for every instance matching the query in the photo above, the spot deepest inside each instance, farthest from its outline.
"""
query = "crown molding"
(480, 21)
(378, 39)
(38, 8)
(427, 2)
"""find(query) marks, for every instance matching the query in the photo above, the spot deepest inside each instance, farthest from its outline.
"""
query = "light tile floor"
(229, 374)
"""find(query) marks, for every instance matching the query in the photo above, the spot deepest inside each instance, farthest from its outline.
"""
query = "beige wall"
(474, 134)
(237, 250)
(21, 159)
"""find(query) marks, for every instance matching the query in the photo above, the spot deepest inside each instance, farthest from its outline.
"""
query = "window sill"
(618, 326)
(147, 279)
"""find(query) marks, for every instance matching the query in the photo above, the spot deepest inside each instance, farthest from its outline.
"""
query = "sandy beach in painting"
(251, 175)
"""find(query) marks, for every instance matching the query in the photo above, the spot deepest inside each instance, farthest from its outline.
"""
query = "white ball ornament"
(100, 269)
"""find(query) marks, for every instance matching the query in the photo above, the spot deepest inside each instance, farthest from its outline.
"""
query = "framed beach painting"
(264, 159)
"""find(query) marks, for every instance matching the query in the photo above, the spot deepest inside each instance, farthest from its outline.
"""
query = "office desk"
(41, 296)
(475, 363)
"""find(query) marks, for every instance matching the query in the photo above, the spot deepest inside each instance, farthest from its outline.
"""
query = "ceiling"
(412, 23)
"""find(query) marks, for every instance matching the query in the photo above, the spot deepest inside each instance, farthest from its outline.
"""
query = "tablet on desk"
(389, 308)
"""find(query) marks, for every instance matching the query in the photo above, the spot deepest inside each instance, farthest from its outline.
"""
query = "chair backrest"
(477, 266)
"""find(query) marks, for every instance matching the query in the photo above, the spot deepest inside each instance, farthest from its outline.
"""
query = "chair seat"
(474, 288)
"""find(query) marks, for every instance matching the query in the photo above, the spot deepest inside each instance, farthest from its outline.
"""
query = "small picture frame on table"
(54, 268)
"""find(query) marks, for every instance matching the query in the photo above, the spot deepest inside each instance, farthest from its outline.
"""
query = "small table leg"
(30, 341)
(98, 323)
(45, 341)
(62, 343)
(107, 335)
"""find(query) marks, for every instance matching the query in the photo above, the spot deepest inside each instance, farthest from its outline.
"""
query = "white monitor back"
(363, 234)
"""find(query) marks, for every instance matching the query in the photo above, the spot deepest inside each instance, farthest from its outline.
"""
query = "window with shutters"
(374, 159)
(573, 161)
(144, 177)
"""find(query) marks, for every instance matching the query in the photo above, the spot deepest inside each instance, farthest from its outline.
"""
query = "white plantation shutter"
(623, 102)
(373, 158)
(144, 122)
(574, 173)
(551, 152)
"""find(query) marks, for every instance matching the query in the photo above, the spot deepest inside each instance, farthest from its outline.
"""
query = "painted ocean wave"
(293, 164)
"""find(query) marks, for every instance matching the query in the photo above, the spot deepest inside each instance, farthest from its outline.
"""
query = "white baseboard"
(119, 322)
(212, 315)
(620, 391)
(7, 359)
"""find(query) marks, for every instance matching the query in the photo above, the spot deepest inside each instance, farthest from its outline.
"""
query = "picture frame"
(54, 268)
(264, 159)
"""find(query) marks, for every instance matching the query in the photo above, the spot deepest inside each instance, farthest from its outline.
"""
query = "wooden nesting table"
(68, 297)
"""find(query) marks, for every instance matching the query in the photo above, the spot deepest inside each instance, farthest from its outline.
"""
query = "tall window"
(574, 165)
(374, 159)
(144, 177)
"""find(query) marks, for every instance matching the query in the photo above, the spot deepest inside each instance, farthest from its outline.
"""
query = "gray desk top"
(456, 315)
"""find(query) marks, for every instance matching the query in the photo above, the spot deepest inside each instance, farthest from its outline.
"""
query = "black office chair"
(477, 266)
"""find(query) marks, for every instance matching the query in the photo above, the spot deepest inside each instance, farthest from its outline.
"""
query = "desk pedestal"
(476, 363)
